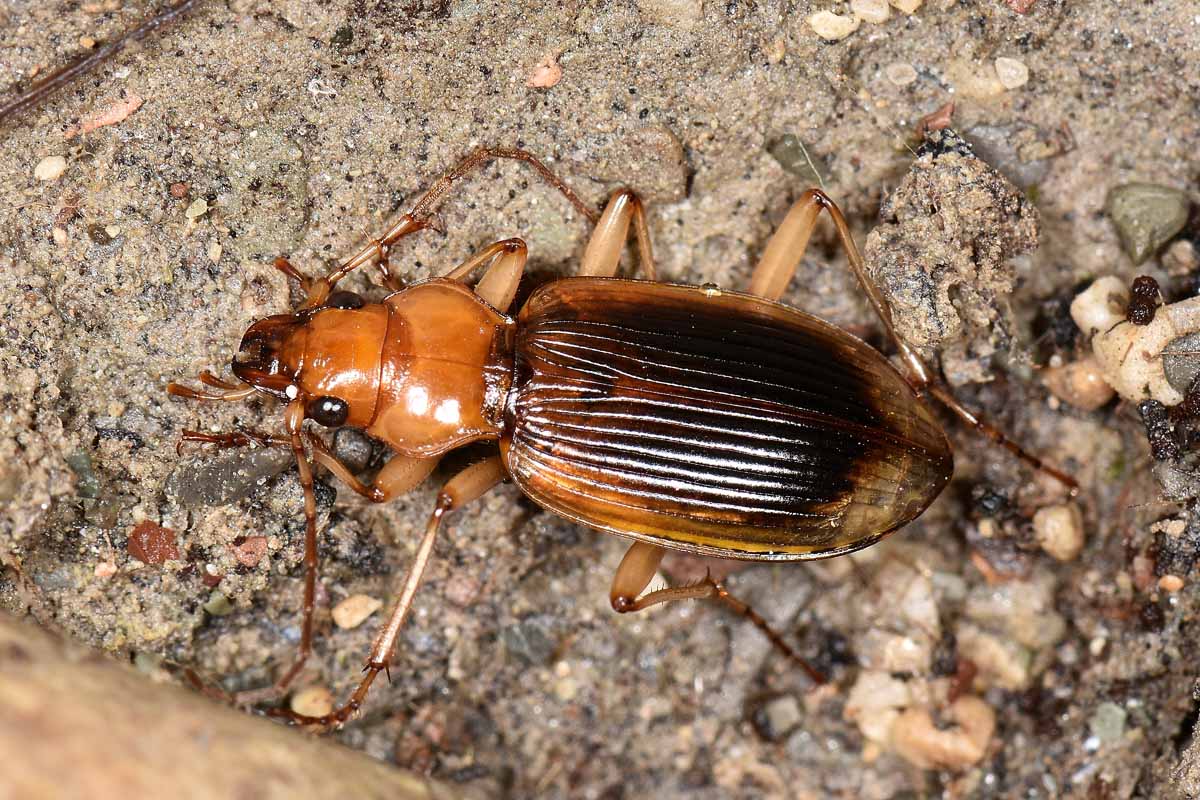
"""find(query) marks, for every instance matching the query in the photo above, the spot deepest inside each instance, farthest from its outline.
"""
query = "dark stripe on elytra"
(809, 421)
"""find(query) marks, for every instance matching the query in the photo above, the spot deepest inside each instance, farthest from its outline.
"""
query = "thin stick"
(64, 75)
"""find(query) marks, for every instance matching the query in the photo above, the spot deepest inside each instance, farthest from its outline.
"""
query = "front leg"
(464, 487)
(506, 264)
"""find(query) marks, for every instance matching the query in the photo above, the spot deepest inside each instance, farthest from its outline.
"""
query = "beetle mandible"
(685, 418)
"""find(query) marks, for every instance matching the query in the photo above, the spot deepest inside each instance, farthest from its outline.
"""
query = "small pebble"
(1170, 583)
(50, 168)
(832, 27)
(313, 701)
(873, 11)
(214, 252)
(1180, 362)
(152, 544)
(105, 569)
(546, 73)
(1080, 384)
(791, 154)
(776, 50)
(921, 742)
(1059, 530)
(1146, 216)
(936, 120)
(999, 661)
(113, 231)
(565, 689)
(1181, 258)
(196, 209)
(1011, 72)
(907, 6)
(782, 716)
(354, 610)
(900, 74)
(1100, 306)
(874, 702)
(218, 604)
(179, 190)
(150, 664)
(250, 551)
(59, 235)
(461, 589)
(1108, 723)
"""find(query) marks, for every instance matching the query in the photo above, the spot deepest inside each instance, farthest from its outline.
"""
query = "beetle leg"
(636, 571)
(778, 265)
(464, 487)
(421, 216)
(603, 254)
(179, 390)
(243, 437)
(506, 264)
(399, 475)
(294, 419)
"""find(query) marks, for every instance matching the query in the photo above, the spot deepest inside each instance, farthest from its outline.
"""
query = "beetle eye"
(328, 411)
(346, 300)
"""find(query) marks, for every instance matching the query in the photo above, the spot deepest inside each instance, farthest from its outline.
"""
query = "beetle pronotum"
(649, 410)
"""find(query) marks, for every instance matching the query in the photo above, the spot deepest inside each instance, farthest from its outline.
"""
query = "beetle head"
(270, 352)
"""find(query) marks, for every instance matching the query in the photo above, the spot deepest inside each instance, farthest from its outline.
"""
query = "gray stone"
(1146, 216)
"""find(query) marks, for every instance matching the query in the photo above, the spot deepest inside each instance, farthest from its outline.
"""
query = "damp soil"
(252, 129)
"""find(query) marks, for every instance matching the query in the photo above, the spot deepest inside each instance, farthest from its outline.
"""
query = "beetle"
(684, 418)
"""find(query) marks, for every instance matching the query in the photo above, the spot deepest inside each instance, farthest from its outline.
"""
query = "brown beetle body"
(714, 422)
(685, 418)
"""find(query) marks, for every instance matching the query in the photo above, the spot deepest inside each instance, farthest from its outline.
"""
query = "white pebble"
(1001, 661)
(354, 610)
(196, 209)
(832, 27)
(50, 168)
(1130, 356)
(900, 74)
(874, 703)
(1101, 305)
(873, 11)
(1059, 530)
(907, 6)
(1011, 72)
(315, 701)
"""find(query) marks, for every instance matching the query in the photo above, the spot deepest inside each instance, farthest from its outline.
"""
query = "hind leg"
(636, 571)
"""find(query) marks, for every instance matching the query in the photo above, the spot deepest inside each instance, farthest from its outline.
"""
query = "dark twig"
(64, 75)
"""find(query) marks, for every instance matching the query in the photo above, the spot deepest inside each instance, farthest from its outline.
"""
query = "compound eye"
(344, 300)
(328, 411)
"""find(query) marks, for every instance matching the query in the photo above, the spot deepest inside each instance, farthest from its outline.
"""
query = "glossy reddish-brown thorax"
(425, 370)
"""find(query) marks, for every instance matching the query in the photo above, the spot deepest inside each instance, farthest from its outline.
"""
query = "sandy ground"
(302, 128)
